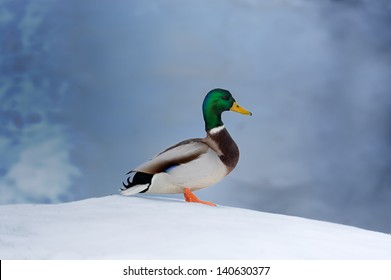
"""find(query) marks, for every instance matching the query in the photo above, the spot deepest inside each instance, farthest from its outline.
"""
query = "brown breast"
(223, 144)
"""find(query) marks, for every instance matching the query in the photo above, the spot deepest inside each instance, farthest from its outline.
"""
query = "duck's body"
(195, 163)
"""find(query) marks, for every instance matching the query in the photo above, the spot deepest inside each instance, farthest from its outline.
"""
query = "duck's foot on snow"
(191, 197)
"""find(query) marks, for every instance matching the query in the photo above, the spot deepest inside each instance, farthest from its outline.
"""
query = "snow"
(148, 227)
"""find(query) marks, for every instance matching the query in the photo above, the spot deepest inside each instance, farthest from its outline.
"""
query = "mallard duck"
(192, 164)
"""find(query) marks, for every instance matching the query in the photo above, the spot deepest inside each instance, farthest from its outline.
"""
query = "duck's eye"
(226, 98)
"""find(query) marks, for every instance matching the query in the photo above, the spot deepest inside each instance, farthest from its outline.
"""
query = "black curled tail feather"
(139, 178)
(126, 186)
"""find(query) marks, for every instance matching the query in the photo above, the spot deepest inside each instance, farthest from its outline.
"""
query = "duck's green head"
(215, 103)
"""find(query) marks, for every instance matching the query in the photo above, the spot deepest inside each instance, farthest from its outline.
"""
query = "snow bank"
(117, 227)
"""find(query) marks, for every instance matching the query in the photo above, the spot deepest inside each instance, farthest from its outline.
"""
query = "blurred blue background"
(90, 89)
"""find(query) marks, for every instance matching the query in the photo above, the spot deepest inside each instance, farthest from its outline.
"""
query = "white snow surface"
(117, 227)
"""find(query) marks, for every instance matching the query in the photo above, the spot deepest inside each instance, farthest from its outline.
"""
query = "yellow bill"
(236, 108)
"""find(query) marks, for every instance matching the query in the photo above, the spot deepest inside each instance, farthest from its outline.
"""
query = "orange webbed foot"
(191, 197)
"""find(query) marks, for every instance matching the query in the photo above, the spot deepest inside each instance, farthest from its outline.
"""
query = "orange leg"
(191, 197)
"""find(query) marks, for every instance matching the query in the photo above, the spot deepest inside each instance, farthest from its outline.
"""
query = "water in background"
(90, 89)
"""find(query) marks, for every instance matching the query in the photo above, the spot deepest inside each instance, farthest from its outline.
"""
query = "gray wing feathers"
(180, 153)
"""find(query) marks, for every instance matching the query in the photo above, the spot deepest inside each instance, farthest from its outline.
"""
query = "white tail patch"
(216, 129)
(135, 189)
